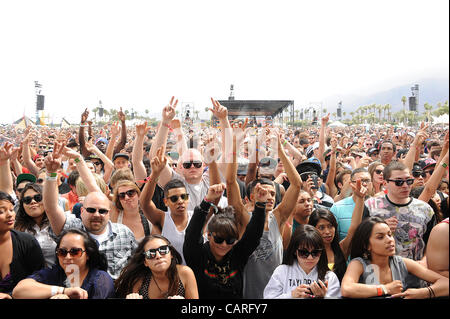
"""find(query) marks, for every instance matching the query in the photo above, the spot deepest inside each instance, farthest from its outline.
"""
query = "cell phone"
(315, 180)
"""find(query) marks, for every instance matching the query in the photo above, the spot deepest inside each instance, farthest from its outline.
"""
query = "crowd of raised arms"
(238, 210)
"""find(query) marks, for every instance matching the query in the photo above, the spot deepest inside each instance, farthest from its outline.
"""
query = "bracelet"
(51, 178)
(77, 159)
(444, 165)
(57, 290)
(385, 292)
(284, 142)
(52, 174)
(379, 291)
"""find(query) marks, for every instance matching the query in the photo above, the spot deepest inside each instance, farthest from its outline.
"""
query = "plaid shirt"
(118, 248)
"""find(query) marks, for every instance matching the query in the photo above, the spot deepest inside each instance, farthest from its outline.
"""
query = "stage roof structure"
(256, 107)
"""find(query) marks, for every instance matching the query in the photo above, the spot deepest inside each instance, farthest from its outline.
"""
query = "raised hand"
(142, 129)
(168, 112)
(261, 194)
(218, 110)
(84, 116)
(325, 119)
(121, 115)
(6, 152)
(215, 191)
(358, 189)
(158, 162)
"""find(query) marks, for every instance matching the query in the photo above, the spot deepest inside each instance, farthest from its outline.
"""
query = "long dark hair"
(96, 260)
(307, 236)
(223, 223)
(136, 270)
(340, 264)
(25, 222)
(7, 197)
(360, 241)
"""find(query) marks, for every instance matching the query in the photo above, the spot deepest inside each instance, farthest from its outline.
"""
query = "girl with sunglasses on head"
(376, 271)
(79, 274)
(219, 263)
(304, 272)
(128, 212)
(155, 272)
(20, 253)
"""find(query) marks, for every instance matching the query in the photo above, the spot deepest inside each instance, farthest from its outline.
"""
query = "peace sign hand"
(168, 112)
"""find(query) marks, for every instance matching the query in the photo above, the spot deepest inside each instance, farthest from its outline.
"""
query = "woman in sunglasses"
(304, 272)
(126, 199)
(20, 253)
(376, 270)
(31, 218)
(219, 263)
(79, 274)
(376, 173)
(155, 272)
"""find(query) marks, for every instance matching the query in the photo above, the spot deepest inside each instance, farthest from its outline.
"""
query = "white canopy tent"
(337, 124)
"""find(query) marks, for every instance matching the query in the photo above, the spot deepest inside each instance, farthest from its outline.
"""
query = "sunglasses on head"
(130, 193)
(418, 174)
(74, 252)
(151, 253)
(92, 210)
(379, 171)
(400, 182)
(174, 198)
(28, 199)
(304, 253)
(220, 240)
(188, 165)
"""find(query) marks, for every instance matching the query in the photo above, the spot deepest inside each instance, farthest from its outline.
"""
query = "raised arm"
(153, 214)
(81, 134)
(221, 113)
(108, 164)
(123, 135)
(284, 209)
(6, 182)
(168, 114)
(444, 150)
(139, 170)
(28, 163)
(332, 170)
(416, 144)
(433, 183)
(114, 133)
(54, 212)
(360, 192)
(322, 138)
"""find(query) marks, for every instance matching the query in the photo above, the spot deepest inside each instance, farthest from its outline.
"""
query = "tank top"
(145, 223)
(143, 291)
(171, 232)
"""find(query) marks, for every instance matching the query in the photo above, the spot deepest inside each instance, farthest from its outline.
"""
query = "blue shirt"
(98, 283)
(343, 211)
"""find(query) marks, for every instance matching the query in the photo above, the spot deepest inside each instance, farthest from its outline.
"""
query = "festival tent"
(337, 124)
(443, 119)
(23, 122)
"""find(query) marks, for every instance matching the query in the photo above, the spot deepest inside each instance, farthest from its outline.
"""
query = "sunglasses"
(220, 240)
(74, 252)
(188, 165)
(130, 193)
(174, 198)
(400, 182)
(28, 199)
(92, 210)
(418, 174)
(304, 253)
(151, 253)
(364, 181)
(97, 163)
(379, 171)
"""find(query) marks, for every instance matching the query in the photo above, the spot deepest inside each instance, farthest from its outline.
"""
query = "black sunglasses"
(378, 171)
(28, 199)
(220, 240)
(197, 164)
(400, 182)
(151, 253)
(304, 253)
(174, 198)
(92, 210)
(74, 252)
(418, 174)
(130, 193)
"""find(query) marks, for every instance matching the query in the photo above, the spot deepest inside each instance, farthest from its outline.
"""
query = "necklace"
(164, 294)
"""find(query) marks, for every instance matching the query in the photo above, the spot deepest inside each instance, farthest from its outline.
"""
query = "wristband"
(77, 159)
(57, 290)
(52, 174)
(51, 178)
(385, 292)
(444, 165)
(379, 291)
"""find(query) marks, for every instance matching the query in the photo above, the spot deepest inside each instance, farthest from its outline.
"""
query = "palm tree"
(379, 109)
(334, 115)
(404, 103)
(428, 109)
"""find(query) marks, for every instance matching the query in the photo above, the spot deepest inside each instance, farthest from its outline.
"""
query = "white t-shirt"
(286, 278)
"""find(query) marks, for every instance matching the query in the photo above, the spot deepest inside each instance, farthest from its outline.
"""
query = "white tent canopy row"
(443, 119)
(337, 124)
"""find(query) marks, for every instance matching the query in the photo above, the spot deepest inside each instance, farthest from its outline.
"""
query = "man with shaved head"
(116, 241)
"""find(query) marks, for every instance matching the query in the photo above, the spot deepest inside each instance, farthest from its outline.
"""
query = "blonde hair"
(116, 199)
(82, 189)
(121, 174)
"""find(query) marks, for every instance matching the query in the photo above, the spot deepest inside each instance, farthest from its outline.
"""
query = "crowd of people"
(236, 211)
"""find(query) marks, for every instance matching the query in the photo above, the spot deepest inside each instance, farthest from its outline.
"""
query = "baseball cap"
(242, 169)
(25, 177)
(268, 162)
(101, 139)
(416, 167)
(121, 155)
(428, 162)
(310, 165)
(372, 151)
(310, 149)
